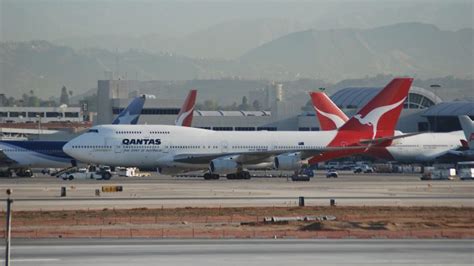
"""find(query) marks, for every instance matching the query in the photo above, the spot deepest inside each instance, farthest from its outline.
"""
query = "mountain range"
(414, 49)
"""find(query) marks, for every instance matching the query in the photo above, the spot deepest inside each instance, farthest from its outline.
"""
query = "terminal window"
(17, 114)
(71, 114)
(54, 114)
(35, 114)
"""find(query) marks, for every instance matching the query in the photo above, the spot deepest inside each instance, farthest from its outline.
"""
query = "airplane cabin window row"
(128, 132)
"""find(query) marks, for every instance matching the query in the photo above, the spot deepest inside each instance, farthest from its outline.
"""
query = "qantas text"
(141, 141)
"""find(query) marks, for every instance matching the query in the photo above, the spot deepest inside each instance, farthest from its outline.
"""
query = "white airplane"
(467, 153)
(422, 147)
(175, 149)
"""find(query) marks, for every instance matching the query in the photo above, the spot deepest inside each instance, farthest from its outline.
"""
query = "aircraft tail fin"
(380, 115)
(185, 116)
(468, 127)
(131, 114)
(329, 115)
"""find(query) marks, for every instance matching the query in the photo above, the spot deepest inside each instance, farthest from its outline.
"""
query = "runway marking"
(32, 260)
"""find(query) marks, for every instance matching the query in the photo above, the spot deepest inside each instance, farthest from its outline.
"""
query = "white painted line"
(32, 260)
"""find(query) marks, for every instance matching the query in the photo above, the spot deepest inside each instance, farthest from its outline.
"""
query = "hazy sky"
(58, 19)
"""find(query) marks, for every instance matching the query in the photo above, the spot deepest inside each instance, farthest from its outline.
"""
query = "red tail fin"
(380, 115)
(185, 116)
(329, 115)
(377, 119)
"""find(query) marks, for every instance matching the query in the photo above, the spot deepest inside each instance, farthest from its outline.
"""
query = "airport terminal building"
(423, 110)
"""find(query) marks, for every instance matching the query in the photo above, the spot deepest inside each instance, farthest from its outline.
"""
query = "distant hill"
(227, 40)
(414, 49)
(45, 67)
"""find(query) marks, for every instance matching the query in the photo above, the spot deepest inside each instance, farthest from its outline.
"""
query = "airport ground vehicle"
(466, 170)
(332, 165)
(439, 172)
(20, 172)
(88, 173)
(304, 174)
(364, 168)
(332, 173)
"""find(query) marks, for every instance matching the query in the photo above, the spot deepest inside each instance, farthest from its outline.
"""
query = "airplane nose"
(68, 148)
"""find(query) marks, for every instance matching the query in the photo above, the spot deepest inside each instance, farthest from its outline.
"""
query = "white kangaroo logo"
(334, 118)
(180, 119)
(373, 117)
(127, 118)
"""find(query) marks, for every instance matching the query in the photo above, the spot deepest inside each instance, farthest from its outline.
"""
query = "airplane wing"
(384, 139)
(250, 157)
(5, 160)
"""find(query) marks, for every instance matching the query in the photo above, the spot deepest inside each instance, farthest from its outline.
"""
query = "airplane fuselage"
(425, 147)
(158, 145)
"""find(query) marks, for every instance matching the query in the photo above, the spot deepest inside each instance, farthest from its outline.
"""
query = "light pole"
(8, 231)
(39, 125)
(435, 88)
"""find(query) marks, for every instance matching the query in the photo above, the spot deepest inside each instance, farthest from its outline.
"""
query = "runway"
(242, 252)
(171, 192)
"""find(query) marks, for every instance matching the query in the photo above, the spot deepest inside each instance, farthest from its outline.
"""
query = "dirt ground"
(350, 222)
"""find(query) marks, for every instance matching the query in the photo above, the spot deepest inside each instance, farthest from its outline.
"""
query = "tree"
(256, 105)
(210, 105)
(308, 107)
(244, 106)
(64, 99)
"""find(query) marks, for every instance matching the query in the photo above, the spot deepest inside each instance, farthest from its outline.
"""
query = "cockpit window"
(93, 131)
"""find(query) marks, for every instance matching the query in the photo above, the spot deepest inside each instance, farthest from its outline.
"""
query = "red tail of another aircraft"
(374, 123)
(185, 116)
(329, 115)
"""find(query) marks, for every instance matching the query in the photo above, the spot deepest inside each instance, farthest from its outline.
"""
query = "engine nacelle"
(223, 166)
(289, 161)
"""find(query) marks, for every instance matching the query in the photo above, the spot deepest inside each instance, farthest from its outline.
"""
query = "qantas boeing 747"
(175, 149)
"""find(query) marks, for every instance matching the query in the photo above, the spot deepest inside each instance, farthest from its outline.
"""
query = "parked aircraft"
(422, 147)
(467, 150)
(175, 149)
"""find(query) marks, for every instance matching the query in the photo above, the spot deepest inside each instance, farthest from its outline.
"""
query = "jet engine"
(289, 161)
(223, 166)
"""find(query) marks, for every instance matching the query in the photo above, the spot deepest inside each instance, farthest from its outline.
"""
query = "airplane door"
(224, 147)
(274, 146)
(118, 148)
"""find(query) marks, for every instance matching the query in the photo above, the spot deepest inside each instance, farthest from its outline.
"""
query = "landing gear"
(6, 173)
(106, 176)
(239, 175)
(24, 172)
(209, 176)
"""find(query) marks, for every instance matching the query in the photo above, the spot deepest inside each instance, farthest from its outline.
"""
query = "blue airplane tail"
(131, 114)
